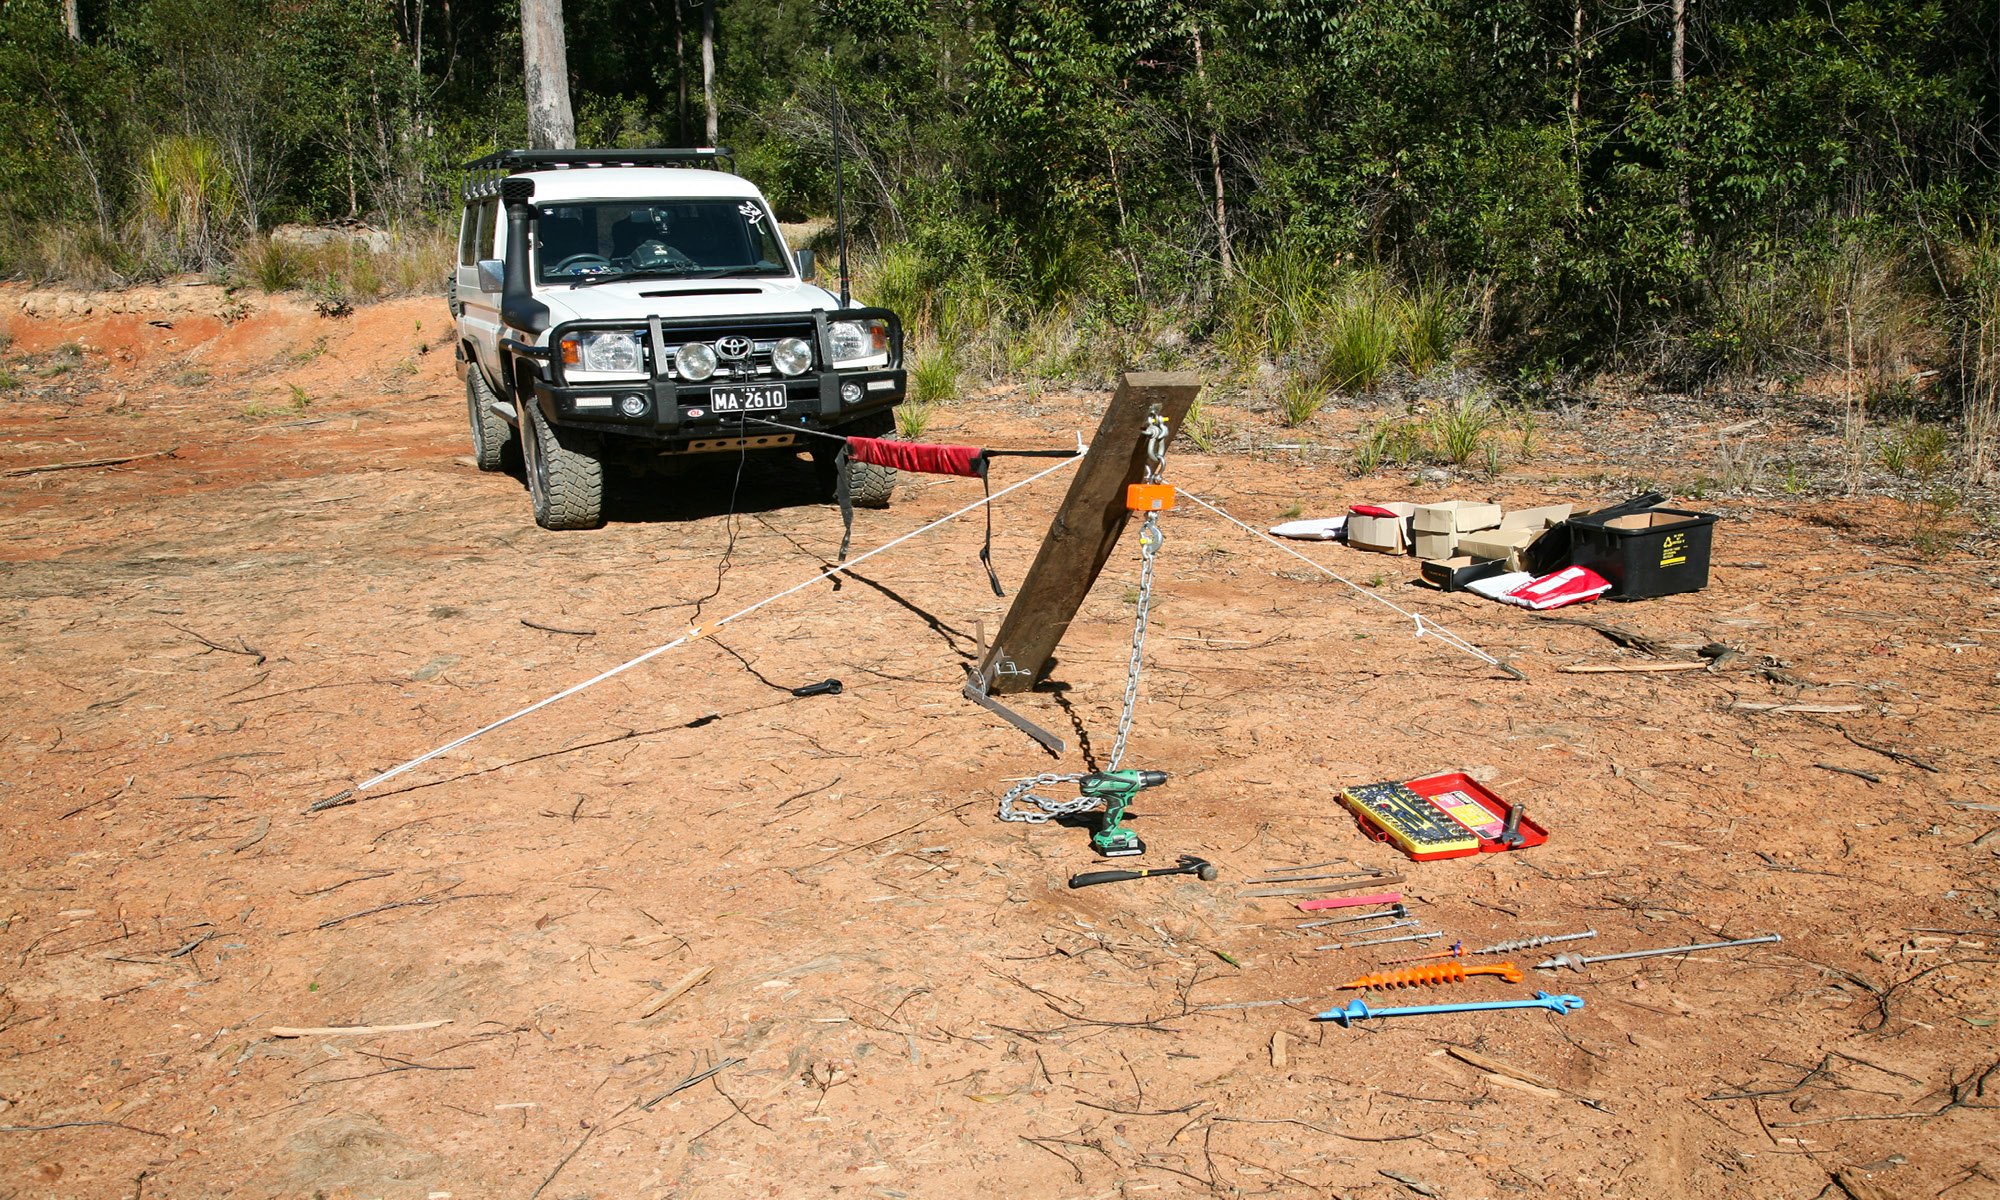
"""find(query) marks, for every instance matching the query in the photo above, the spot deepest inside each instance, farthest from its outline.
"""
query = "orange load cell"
(1149, 497)
(1451, 972)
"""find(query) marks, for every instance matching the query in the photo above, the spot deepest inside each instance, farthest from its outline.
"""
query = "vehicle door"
(479, 237)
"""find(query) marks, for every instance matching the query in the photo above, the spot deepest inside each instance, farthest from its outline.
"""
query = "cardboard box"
(1548, 516)
(1439, 525)
(1501, 545)
(1382, 535)
(1456, 516)
(1433, 546)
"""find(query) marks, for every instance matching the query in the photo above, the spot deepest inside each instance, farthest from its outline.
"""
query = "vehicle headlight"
(696, 360)
(859, 343)
(611, 353)
(792, 356)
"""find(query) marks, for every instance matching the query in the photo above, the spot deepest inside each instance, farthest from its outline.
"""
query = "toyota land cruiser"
(627, 307)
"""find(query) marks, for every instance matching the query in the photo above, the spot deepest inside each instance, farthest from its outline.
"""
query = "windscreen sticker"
(751, 213)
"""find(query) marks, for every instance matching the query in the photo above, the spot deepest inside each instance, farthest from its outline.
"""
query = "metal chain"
(1149, 546)
(1051, 809)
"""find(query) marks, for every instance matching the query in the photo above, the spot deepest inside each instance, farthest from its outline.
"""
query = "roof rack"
(483, 182)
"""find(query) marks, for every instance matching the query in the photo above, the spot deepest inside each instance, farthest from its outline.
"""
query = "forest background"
(1321, 196)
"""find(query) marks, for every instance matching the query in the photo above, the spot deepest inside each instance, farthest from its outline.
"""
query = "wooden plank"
(1086, 527)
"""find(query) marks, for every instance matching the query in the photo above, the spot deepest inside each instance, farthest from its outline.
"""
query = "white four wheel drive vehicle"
(626, 308)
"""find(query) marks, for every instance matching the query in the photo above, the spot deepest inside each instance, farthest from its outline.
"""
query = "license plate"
(760, 398)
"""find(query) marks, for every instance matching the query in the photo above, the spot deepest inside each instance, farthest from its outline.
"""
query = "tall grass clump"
(415, 260)
(934, 377)
(75, 252)
(1975, 330)
(1849, 305)
(1433, 323)
(1362, 335)
(187, 200)
(1301, 397)
(273, 266)
(1457, 431)
(1275, 303)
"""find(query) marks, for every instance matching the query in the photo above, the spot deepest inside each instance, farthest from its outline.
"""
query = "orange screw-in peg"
(1450, 972)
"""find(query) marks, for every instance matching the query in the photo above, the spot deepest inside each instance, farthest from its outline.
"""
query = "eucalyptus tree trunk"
(1679, 68)
(72, 20)
(1214, 157)
(544, 54)
(708, 71)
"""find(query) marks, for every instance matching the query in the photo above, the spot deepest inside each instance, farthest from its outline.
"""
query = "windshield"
(595, 240)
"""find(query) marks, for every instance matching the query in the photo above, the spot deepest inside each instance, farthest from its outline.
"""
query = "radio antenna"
(839, 198)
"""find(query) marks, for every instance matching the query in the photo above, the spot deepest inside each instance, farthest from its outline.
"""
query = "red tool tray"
(1456, 787)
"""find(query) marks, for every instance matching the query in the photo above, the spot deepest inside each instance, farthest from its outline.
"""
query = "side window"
(468, 227)
(483, 238)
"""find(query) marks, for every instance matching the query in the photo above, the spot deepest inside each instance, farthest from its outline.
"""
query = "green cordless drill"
(1116, 789)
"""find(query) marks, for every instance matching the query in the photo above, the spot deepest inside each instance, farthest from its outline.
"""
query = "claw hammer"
(1189, 865)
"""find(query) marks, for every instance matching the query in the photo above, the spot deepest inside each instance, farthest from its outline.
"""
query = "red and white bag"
(1571, 585)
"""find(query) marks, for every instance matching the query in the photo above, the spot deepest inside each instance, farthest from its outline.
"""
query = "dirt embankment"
(688, 870)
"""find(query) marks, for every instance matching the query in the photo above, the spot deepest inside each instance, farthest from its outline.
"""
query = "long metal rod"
(1579, 962)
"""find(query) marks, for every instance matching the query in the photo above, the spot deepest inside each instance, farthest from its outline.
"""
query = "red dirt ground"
(902, 997)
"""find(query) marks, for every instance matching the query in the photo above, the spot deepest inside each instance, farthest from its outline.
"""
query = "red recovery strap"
(969, 461)
(918, 456)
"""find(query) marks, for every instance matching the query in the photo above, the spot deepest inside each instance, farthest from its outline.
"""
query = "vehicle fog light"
(696, 360)
(792, 356)
(851, 393)
(632, 404)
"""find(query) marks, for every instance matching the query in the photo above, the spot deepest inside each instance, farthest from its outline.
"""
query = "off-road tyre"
(490, 433)
(869, 485)
(565, 470)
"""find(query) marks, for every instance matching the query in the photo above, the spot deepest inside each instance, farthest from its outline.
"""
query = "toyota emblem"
(733, 347)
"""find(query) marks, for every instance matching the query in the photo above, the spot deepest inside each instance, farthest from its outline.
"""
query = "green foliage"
(1457, 431)
(934, 378)
(1301, 397)
(187, 196)
(1362, 336)
(1404, 182)
(913, 417)
(1917, 449)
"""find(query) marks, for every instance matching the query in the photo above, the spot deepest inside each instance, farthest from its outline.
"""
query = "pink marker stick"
(1350, 901)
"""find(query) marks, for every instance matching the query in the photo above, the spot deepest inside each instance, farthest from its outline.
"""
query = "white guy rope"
(699, 631)
(1424, 624)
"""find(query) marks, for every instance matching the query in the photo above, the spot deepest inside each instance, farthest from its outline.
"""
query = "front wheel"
(565, 472)
(868, 485)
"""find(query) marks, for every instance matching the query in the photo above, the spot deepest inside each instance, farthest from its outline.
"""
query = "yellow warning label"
(1673, 550)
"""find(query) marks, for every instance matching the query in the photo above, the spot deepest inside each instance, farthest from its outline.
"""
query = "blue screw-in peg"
(1357, 1011)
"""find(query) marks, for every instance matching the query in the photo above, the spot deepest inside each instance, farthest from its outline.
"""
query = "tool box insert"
(1440, 816)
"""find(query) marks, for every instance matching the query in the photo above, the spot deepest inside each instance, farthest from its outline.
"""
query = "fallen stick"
(1754, 706)
(691, 1080)
(1641, 668)
(675, 992)
(558, 629)
(1869, 776)
(290, 1031)
(1890, 752)
(82, 463)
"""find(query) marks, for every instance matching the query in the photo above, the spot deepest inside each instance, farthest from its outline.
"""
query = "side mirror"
(492, 275)
(804, 259)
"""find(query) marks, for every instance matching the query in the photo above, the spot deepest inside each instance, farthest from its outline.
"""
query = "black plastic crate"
(1651, 552)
